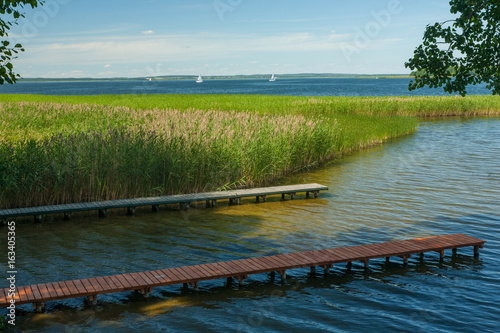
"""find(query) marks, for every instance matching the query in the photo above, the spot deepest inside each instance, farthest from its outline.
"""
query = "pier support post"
(37, 218)
(349, 266)
(229, 281)
(207, 204)
(194, 285)
(145, 292)
(405, 261)
(272, 276)
(234, 201)
(367, 264)
(313, 269)
(292, 196)
(282, 196)
(91, 300)
(307, 194)
(241, 279)
(283, 275)
(39, 307)
(184, 205)
(327, 268)
(130, 210)
(316, 194)
(387, 260)
(185, 285)
(67, 216)
(103, 212)
(476, 251)
(441, 255)
(214, 203)
(155, 208)
(454, 251)
(264, 198)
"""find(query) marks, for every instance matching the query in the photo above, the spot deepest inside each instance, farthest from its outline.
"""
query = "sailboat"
(272, 79)
(199, 80)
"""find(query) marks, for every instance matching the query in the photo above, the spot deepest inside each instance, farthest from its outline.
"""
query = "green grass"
(308, 106)
(61, 149)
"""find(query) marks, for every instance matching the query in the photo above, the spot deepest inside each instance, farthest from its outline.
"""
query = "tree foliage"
(469, 44)
(10, 14)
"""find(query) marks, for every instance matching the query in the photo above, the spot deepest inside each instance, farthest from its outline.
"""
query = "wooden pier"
(144, 282)
(184, 200)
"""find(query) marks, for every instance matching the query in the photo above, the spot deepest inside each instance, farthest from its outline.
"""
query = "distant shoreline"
(225, 77)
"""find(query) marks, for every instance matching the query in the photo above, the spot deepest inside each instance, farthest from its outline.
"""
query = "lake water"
(444, 179)
(296, 87)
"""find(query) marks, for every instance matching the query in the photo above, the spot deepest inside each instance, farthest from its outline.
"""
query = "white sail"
(272, 79)
(199, 80)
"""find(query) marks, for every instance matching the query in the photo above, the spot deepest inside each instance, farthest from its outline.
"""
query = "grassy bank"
(424, 106)
(60, 149)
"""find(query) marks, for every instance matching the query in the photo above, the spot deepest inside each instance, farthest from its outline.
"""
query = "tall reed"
(74, 153)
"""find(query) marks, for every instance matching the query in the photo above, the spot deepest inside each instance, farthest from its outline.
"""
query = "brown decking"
(144, 281)
(183, 200)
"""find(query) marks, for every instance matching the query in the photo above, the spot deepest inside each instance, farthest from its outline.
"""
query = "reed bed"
(52, 153)
(424, 106)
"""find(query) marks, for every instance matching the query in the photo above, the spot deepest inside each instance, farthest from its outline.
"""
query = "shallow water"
(444, 179)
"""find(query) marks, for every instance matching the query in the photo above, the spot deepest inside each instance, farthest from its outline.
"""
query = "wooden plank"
(96, 285)
(216, 270)
(132, 282)
(88, 286)
(116, 282)
(81, 288)
(22, 294)
(36, 293)
(182, 275)
(42, 288)
(138, 202)
(124, 282)
(64, 289)
(154, 280)
(242, 267)
(164, 278)
(263, 263)
(53, 291)
(251, 266)
(177, 277)
(170, 274)
(142, 280)
(73, 290)
(104, 285)
(30, 293)
(210, 273)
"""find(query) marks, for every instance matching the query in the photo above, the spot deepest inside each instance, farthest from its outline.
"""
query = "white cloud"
(147, 32)
(144, 53)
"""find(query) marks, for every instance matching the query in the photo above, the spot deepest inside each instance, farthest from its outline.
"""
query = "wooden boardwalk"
(239, 269)
(184, 200)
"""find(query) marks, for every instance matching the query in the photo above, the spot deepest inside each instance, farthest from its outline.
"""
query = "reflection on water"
(444, 179)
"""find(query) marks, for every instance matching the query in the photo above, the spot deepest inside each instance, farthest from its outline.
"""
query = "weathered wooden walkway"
(184, 200)
(239, 269)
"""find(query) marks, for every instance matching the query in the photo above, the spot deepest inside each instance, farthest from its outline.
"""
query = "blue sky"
(125, 38)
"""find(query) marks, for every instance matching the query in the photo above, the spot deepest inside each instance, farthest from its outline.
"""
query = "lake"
(295, 87)
(444, 179)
